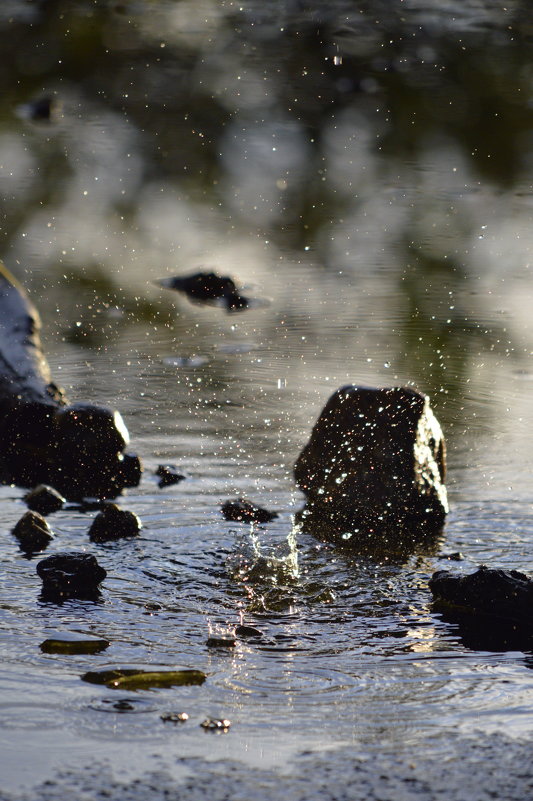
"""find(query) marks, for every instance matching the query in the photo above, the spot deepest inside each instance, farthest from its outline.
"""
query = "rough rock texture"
(77, 448)
(33, 532)
(504, 594)
(70, 575)
(245, 512)
(113, 523)
(375, 463)
(44, 499)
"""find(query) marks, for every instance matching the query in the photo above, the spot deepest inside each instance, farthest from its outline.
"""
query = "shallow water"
(383, 229)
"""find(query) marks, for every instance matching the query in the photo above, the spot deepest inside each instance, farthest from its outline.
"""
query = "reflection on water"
(364, 171)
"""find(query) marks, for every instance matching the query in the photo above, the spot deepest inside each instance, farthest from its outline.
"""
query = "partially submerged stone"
(375, 463)
(206, 287)
(44, 499)
(113, 523)
(70, 575)
(168, 475)
(245, 512)
(136, 678)
(68, 642)
(33, 532)
(503, 594)
(76, 448)
(216, 724)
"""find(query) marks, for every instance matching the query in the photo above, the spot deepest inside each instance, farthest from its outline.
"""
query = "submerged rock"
(70, 575)
(245, 512)
(76, 448)
(68, 642)
(33, 532)
(136, 678)
(375, 463)
(44, 499)
(206, 288)
(504, 594)
(168, 475)
(216, 724)
(113, 523)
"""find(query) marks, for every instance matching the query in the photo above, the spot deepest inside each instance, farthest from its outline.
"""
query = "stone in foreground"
(76, 448)
(503, 594)
(70, 575)
(375, 463)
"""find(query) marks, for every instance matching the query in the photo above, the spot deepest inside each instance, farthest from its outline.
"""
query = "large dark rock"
(113, 523)
(70, 575)
(375, 464)
(76, 448)
(501, 594)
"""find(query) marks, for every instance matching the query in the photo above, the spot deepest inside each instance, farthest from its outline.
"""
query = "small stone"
(245, 512)
(248, 631)
(73, 643)
(216, 724)
(113, 523)
(168, 475)
(175, 717)
(456, 556)
(33, 532)
(44, 499)
(70, 575)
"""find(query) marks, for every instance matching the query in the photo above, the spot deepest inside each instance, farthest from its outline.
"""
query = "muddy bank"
(495, 767)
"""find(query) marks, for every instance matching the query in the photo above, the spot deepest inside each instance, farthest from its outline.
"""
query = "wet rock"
(70, 575)
(216, 724)
(206, 288)
(68, 642)
(248, 631)
(175, 717)
(136, 678)
(33, 532)
(113, 523)
(76, 448)
(375, 463)
(245, 512)
(221, 641)
(503, 594)
(44, 499)
(168, 475)
(456, 556)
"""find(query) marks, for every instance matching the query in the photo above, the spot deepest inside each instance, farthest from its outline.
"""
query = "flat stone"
(245, 512)
(375, 462)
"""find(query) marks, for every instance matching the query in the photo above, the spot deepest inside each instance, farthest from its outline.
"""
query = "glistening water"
(364, 173)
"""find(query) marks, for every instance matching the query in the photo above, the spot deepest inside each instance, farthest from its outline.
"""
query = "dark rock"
(70, 575)
(73, 643)
(44, 499)
(503, 594)
(137, 678)
(221, 641)
(33, 532)
(245, 512)
(168, 475)
(456, 556)
(375, 464)
(175, 717)
(113, 523)
(248, 631)
(77, 448)
(206, 288)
